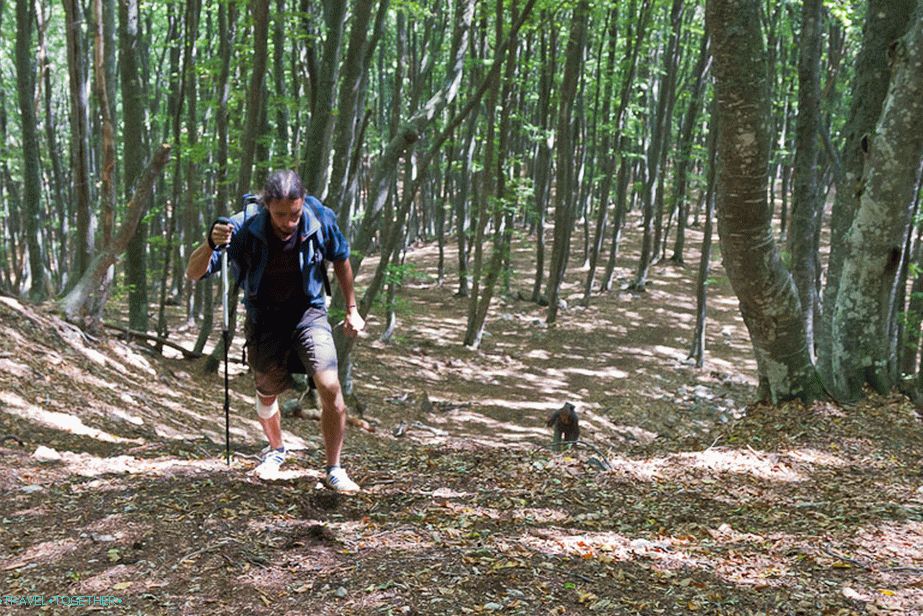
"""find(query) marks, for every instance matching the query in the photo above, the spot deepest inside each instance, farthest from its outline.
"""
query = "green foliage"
(335, 314)
(843, 12)
(396, 273)
(156, 242)
(910, 320)
(303, 45)
(413, 8)
(152, 214)
(786, 256)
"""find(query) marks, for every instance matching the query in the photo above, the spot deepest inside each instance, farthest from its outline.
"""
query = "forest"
(693, 223)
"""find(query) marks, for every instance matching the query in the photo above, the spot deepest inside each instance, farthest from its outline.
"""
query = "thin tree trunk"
(80, 144)
(134, 103)
(461, 205)
(408, 134)
(543, 167)
(31, 206)
(806, 201)
(359, 52)
(227, 17)
(279, 86)
(85, 303)
(563, 215)
(659, 244)
(488, 182)
(609, 161)
(684, 151)
(440, 100)
(108, 188)
(495, 170)
(320, 134)
(260, 11)
(621, 189)
(53, 153)
(697, 350)
(657, 143)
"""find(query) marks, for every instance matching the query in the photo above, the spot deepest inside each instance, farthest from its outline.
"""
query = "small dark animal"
(566, 426)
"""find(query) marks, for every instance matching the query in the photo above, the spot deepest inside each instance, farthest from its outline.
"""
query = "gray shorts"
(280, 344)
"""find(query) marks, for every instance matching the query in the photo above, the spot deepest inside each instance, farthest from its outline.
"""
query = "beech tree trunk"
(888, 20)
(32, 182)
(80, 140)
(564, 182)
(874, 250)
(806, 199)
(768, 298)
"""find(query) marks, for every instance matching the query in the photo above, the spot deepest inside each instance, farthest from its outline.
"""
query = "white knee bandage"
(266, 411)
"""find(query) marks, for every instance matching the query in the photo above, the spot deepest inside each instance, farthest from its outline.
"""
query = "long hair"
(284, 185)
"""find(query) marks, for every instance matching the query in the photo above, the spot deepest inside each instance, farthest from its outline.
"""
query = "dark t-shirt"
(281, 285)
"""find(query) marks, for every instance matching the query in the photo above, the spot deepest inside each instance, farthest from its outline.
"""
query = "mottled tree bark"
(768, 298)
(887, 20)
(874, 249)
(806, 199)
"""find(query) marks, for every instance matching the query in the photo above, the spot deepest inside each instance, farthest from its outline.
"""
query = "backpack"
(252, 205)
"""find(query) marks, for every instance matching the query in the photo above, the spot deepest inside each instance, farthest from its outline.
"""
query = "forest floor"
(116, 485)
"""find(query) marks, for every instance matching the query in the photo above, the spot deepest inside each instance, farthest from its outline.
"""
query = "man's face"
(285, 214)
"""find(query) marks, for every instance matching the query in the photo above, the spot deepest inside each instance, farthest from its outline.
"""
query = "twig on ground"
(145, 336)
(845, 559)
(208, 548)
(422, 426)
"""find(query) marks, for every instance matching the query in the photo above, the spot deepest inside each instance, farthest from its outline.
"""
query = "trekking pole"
(226, 336)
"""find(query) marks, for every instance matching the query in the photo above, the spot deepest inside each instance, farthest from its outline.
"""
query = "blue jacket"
(320, 240)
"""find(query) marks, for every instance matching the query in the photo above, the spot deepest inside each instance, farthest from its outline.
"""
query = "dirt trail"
(113, 467)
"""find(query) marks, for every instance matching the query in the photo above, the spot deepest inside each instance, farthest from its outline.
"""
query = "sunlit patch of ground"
(685, 498)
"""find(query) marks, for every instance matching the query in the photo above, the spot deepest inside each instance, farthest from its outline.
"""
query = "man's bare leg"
(333, 415)
(272, 427)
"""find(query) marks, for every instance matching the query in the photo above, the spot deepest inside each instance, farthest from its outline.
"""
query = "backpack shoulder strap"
(317, 238)
(252, 206)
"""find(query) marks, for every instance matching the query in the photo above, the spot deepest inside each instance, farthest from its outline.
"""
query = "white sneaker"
(338, 481)
(272, 460)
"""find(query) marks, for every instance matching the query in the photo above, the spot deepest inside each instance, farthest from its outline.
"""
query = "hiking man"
(277, 254)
